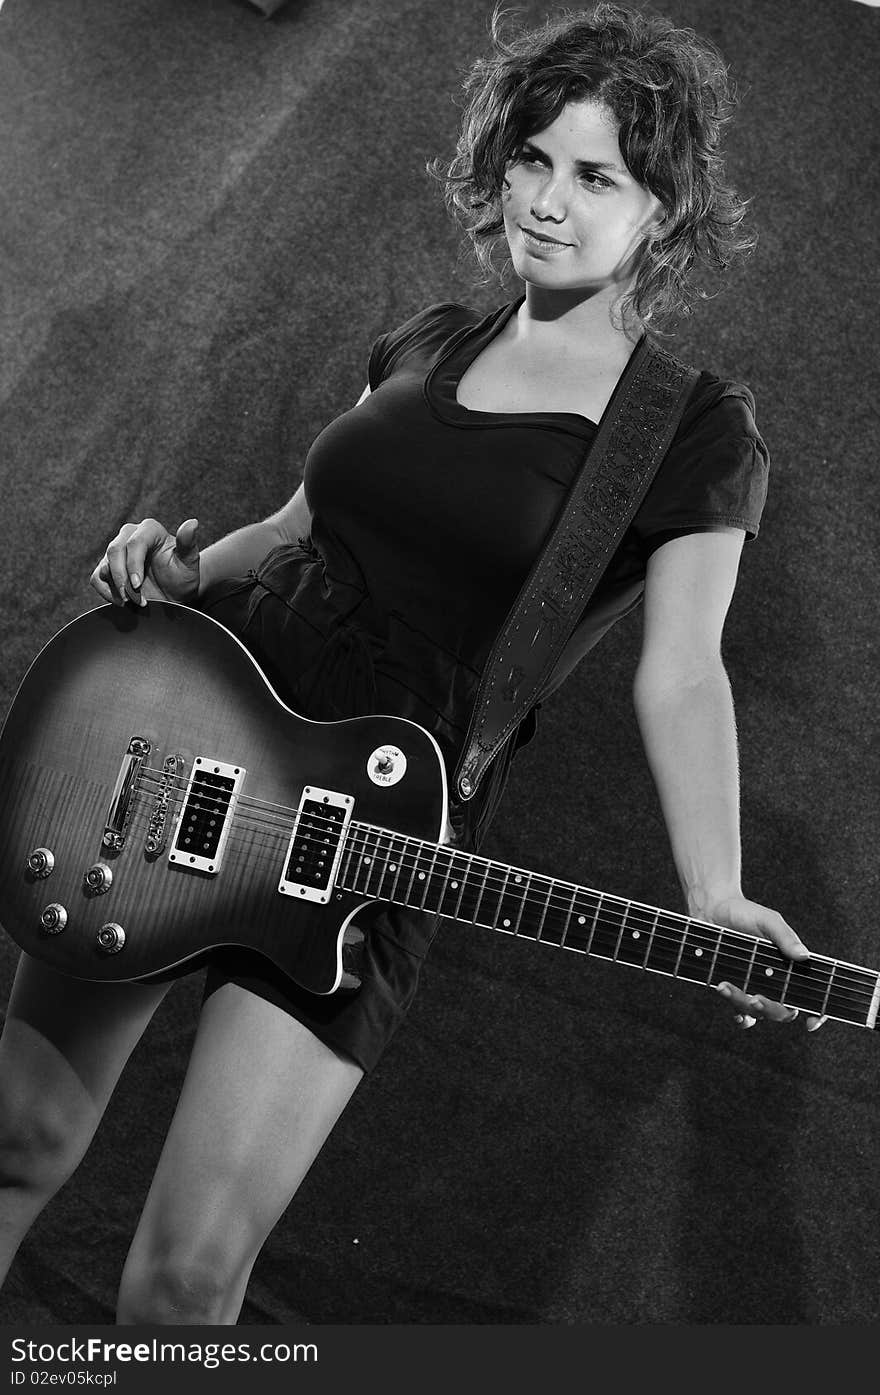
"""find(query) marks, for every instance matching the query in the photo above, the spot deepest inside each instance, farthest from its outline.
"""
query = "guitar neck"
(388, 866)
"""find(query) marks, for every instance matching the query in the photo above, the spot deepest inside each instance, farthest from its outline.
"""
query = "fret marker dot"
(505, 922)
(769, 973)
(368, 859)
(517, 879)
(454, 886)
(636, 934)
(392, 867)
(698, 952)
(582, 920)
(421, 876)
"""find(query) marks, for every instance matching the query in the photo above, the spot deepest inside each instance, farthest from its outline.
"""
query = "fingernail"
(135, 579)
(723, 989)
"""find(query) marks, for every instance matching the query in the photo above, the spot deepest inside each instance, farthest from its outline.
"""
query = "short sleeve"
(715, 472)
(425, 332)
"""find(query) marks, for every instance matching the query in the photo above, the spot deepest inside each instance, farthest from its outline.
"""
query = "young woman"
(589, 154)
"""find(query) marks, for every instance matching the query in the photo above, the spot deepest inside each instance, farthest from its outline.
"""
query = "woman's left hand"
(738, 913)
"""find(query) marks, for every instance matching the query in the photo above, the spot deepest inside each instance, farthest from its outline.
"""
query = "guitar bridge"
(206, 816)
(315, 846)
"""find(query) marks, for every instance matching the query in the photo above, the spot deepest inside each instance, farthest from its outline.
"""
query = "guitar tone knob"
(110, 938)
(54, 918)
(40, 862)
(98, 878)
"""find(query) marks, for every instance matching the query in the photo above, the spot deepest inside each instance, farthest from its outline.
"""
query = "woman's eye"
(594, 180)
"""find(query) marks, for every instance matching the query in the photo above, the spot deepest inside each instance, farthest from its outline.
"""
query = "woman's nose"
(549, 201)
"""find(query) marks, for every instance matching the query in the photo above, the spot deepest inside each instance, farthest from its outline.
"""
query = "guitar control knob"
(40, 862)
(54, 918)
(110, 938)
(98, 878)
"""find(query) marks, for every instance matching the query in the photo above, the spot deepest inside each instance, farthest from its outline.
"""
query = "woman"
(589, 151)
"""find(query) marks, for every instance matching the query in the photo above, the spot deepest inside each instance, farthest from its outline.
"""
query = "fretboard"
(433, 877)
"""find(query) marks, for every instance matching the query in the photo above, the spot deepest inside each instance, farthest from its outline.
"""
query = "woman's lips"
(541, 242)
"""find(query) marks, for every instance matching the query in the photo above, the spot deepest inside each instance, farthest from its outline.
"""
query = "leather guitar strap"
(634, 435)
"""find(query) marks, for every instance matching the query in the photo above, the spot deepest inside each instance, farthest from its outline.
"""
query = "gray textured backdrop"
(207, 218)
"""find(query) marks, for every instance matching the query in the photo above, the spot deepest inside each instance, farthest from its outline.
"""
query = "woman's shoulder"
(420, 337)
(719, 407)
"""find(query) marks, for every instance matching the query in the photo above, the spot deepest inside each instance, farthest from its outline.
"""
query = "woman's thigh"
(260, 1096)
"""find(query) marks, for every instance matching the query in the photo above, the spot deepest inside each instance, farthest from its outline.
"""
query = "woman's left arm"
(685, 713)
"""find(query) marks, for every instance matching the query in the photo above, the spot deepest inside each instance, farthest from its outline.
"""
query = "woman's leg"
(261, 1095)
(63, 1047)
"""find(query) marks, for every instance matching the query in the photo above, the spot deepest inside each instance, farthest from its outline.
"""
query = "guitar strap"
(634, 435)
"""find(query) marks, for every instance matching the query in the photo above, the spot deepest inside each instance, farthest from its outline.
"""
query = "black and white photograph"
(438, 666)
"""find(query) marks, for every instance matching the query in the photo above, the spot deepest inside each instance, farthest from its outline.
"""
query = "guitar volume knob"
(110, 938)
(98, 878)
(54, 918)
(40, 862)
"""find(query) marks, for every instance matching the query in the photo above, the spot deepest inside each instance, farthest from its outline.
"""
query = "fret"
(423, 875)
(667, 939)
(476, 915)
(529, 923)
(345, 868)
(522, 880)
(543, 920)
(452, 885)
(608, 927)
(437, 885)
(395, 861)
(851, 995)
(580, 926)
(828, 989)
(379, 869)
(470, 891)
(805, 982)
(734, 957)
(509, 908)
(557, 914)
(699, 952)
(568, 915)
(502, 921)
(635, 939)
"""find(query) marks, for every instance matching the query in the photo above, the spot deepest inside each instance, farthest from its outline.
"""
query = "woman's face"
(574, 216)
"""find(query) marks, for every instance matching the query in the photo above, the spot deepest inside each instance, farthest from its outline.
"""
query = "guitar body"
(178, 684)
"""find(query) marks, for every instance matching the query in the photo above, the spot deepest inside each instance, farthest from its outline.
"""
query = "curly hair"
(669, 92)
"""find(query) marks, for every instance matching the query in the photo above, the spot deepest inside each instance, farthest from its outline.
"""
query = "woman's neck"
(579, 320)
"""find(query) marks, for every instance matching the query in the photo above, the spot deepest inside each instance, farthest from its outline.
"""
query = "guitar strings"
(366, 830)
(358, 840)
(546, 903)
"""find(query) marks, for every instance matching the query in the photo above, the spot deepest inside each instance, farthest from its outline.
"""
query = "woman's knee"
(176, 1283)
(43, 1135)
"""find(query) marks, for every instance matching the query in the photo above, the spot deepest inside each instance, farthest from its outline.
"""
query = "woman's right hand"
(146, 562)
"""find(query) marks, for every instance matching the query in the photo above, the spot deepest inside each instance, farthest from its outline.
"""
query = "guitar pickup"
(316, 844)
(206, 816)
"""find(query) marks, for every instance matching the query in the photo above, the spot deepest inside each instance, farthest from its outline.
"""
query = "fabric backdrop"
(208, 217)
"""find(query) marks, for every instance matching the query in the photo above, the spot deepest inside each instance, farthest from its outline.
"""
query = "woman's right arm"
(246, 547)
(146, 562)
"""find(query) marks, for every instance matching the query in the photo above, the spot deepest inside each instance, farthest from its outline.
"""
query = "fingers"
(185, 541)
(752, 1008)
(120, 573)
(780, 932)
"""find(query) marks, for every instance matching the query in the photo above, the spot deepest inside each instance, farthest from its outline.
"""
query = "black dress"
(426, 517)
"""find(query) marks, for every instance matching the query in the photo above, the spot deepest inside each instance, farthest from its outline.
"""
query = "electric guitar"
(158, 799)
